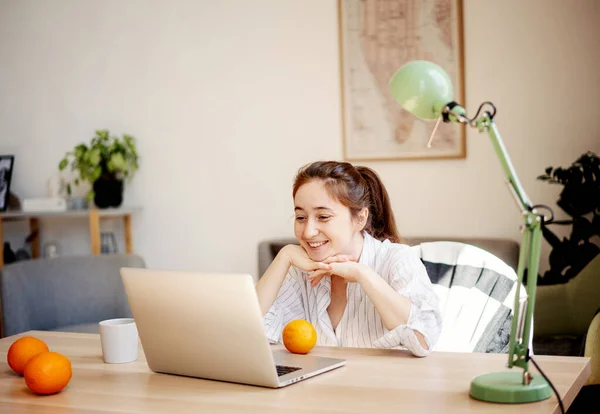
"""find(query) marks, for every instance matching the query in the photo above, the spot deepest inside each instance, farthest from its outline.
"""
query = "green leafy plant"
(106, 156)
(580, 199)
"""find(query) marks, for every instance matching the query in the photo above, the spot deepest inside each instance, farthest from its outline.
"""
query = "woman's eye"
(300, 218)
(324, 218)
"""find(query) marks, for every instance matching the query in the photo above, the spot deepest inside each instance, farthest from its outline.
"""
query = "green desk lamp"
(424, 89)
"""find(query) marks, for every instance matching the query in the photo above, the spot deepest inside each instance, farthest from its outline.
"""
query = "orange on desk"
(48, 373)
(22, 350)
(299, 336)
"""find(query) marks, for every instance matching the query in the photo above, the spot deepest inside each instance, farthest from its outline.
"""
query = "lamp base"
(507, 387)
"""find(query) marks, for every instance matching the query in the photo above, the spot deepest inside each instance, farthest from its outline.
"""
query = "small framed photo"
(6, 167)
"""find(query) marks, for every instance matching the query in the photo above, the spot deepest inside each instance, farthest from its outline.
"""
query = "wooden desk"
(373, 381)
(93, 216)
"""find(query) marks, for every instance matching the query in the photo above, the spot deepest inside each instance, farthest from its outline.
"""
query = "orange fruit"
(22, 350)
(299, 336)
(48, 373)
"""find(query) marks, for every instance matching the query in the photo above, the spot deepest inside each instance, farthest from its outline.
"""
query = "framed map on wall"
(376, 38)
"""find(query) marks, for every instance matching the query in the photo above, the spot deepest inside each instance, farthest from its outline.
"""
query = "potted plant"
(580, 199)
(105, 163)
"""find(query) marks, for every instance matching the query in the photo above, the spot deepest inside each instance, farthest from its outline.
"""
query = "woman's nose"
(310, 230)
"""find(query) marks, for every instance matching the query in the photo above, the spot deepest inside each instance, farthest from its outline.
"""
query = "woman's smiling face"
(323, 226)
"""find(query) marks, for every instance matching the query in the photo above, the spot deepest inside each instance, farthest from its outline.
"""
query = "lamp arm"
(485, 122)
(509, 171)
(529, 255)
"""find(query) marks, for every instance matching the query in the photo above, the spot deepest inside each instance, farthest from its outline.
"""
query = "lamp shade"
(422, 88)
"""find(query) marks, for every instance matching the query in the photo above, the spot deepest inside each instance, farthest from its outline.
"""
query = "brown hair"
(356, 188)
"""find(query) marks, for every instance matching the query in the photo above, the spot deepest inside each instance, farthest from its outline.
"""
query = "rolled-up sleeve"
(407, 276)
(287, 306)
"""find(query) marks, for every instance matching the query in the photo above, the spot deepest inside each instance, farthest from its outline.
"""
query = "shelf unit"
(93, 215)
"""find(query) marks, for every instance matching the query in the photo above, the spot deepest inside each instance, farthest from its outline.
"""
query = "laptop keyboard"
(282, 369)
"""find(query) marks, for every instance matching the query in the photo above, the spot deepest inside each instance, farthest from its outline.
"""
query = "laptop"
(209, 325)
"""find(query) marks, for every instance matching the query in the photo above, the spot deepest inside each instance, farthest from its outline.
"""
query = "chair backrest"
(46, 294)
(476, 291)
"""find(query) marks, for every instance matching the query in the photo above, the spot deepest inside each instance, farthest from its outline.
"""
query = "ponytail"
(381, 223)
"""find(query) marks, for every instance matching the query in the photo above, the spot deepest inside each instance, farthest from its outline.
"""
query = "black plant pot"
(108, 192)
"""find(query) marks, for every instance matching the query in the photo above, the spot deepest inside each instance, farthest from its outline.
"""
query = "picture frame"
(376, 37)
(6, 168)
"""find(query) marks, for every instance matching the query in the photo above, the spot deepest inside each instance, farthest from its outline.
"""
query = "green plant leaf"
(117, 162)
(95, 157)
(96, 174)
(102, 134)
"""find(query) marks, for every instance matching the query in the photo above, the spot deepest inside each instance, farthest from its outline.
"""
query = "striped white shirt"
(361, 325)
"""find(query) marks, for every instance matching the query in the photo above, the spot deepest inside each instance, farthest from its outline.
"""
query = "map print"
(376, 38)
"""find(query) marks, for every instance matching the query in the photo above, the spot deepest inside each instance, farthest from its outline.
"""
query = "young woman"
(350, 277)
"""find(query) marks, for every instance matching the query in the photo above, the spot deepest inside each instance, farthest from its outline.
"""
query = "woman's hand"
(270, 283)
(297, 257)
(342, 265)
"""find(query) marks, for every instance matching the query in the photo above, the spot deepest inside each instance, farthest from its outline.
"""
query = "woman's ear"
(361, 219)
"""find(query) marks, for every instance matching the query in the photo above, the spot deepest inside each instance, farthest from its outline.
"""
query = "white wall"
(228, 98)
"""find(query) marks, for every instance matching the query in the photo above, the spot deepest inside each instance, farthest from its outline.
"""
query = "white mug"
(119, 339)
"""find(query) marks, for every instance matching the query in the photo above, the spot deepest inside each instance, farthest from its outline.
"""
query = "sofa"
(67, 293)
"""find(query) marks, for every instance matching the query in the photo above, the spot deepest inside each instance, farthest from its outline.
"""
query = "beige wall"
(229, 98)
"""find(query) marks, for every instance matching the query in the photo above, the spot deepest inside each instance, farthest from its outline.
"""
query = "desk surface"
(372, 381)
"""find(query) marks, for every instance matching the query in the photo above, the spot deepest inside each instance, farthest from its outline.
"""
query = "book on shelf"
(43, 204)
